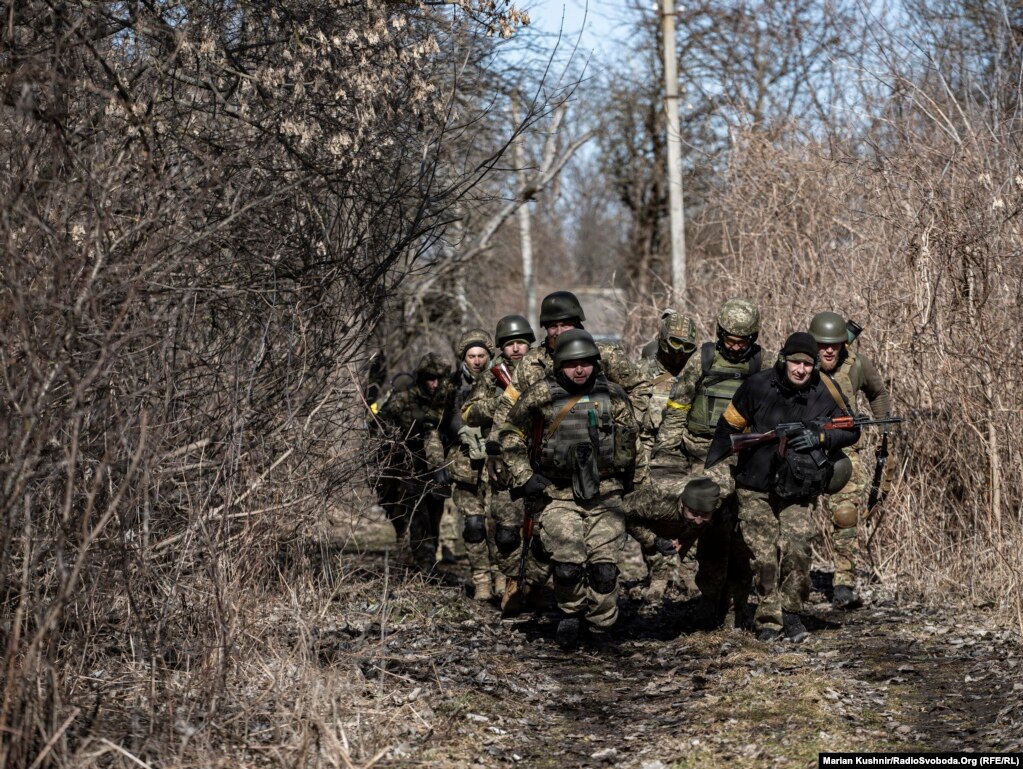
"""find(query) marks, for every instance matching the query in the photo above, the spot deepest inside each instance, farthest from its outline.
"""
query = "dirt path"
(448, 683)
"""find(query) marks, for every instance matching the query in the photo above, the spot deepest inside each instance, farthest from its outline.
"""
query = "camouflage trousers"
(844, 508)
(507, 518)
(777, 535)
(582, 543)
(470, 500)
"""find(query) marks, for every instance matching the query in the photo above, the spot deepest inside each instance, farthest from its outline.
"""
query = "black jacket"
(762, 402)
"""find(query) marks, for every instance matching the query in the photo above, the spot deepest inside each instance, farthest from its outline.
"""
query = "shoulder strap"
(560, 416)
(837, 394)
(662, 378)
(707, 357)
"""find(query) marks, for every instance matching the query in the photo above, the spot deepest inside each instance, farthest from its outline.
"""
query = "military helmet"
(402, 381)
(574, 344)
(432, 366)
(513, 327)
(829, 328)
(840, 475)
(739, 317)
(475, 337)
(677, 333)
(561, 305)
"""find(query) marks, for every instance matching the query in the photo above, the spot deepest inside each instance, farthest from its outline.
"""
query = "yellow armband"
(511, 394)
(676, 405)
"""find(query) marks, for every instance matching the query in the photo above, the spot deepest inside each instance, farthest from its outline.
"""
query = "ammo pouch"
(799, 477)
(585, 473)
(624, 457)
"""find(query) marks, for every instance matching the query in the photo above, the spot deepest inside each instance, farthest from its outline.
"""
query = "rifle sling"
(840, 401)
(560, 416)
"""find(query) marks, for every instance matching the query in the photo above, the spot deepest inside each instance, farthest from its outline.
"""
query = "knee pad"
(567, 574)
(844, 514)
(475, 529)
(603, 577)
(540, 553)
(508, 539)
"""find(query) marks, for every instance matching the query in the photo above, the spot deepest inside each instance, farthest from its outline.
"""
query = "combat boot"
(483, 590)
(845, 598)
(500, 585)
(511, 601)
(795, 630)
(567, 634)
(768, 633)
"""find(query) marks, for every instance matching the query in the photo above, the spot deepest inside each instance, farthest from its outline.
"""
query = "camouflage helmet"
(512, 327)
(829, 328)
(574, 344)
(840, 475)
(677, 333)
(474, 337)
(561, 305)
(432, 366)
(739, 317)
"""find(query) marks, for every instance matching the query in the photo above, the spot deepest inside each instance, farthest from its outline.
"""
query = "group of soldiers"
(553, 453)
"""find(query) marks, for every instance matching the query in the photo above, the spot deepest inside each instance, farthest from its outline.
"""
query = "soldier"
(560, 312)
(467, 461)
(852, 373)
(413, 479)
(775, 488)
(514, 337)
(673, 346)
(698, 397)
(585, 462)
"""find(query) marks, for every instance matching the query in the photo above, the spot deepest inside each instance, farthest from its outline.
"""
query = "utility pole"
(676, 202)
(525, 230)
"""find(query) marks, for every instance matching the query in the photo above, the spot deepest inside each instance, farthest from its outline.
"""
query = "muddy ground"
(444, 681)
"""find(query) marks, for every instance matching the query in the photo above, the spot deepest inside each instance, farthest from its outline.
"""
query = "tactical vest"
(588, 423)
(716, 386)
(849, 377)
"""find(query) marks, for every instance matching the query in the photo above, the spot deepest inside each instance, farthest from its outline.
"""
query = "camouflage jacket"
(615, 364)
(482, 403)
(673, 432)
(856, 374)
(412, 419)
(536, 402)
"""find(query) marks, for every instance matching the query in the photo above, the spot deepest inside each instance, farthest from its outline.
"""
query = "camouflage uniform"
(467, 463)
(660, 368)
(407, 486)
(854, 374)
(577, 541)
(505, 515)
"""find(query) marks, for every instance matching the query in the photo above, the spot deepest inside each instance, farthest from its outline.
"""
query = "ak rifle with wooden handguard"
(786, 430)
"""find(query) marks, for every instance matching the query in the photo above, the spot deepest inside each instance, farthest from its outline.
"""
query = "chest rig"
(716, 386)
(583, 428)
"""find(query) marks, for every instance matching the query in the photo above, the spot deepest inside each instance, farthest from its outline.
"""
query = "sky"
(595, 20)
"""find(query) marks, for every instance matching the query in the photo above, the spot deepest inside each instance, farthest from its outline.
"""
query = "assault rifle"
(503, 376)
(786, 430)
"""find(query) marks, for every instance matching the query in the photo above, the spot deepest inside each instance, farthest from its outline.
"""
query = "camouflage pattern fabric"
(855, 374)
(777, 536)
(539, 364)
(585, 533)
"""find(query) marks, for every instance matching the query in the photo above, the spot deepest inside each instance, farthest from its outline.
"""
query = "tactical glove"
(664, 546)
(493, 449)
(532, 488)
(441, 484)
(805, 440)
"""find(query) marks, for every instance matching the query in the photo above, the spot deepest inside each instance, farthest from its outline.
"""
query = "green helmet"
(829, 328)
(739, 317)
(432, 366)
(840, 475)
(475, 337)
(561, 305)
(677, 334)
(513, 327)
(574, 344)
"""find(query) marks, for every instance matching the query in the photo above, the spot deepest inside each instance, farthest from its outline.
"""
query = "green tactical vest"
(557, 455)
(716, 386)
